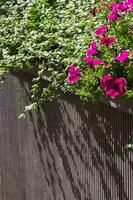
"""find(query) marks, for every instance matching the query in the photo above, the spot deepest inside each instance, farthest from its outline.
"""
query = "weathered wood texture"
(67, 151)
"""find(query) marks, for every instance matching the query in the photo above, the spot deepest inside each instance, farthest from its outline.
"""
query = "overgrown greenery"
(47, 36)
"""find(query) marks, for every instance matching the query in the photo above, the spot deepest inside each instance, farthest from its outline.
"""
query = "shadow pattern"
(81, 149)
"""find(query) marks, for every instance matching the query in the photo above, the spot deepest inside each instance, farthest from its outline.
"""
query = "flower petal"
(73, 74)
(122, 57)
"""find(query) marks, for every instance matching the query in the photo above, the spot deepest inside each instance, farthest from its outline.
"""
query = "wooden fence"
(67, 151)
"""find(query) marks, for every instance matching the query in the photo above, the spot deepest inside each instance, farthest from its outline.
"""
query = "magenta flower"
(129, 3)
(113, 16)
(101, 30)
(113, 87)
(93, 45)
(119, 7)
(122, 57)
(74, 74)
(93, 61)
(104, 80)
(92, 50)
(108, 41)
(112, 5)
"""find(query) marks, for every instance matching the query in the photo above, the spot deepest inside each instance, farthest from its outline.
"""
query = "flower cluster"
(113, 83)
(119, 8)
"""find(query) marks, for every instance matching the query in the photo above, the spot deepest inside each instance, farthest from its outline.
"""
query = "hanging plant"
(85, 47)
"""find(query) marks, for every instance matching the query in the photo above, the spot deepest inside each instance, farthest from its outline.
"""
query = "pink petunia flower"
(93, 61)
(122, 57)
(92, 50)
(112, 5)
(113, 16)
(113, 87)
(105, 78)
(93, 45)
(129, 3)
(108, 41)
(101, 30)
(121, 7)
(74, 74)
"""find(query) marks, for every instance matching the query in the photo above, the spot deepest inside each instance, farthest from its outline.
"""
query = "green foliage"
(44, 34)
(88, 86)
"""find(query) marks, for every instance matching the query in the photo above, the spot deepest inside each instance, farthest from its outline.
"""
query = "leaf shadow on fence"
(81, 148)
